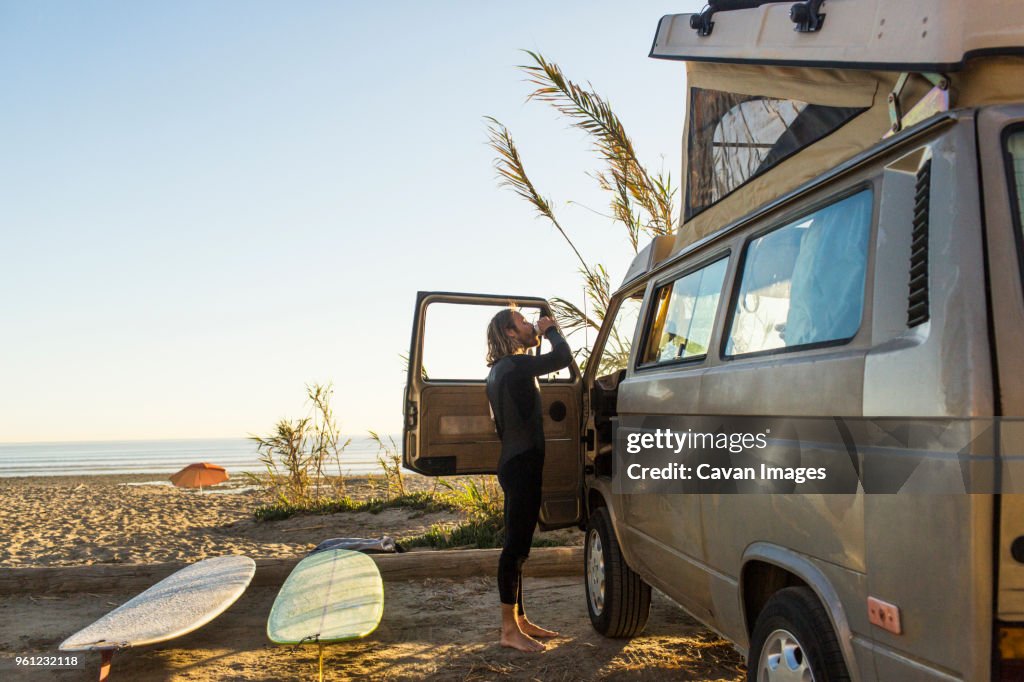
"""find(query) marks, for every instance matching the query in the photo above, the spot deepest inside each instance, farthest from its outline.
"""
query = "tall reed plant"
(390, 460)
(298, 455)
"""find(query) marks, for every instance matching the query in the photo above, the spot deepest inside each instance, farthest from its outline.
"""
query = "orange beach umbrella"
(199, 475)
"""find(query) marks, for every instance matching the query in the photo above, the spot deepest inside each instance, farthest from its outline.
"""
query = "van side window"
(683, 314)
(803, 283)
(1015, 150)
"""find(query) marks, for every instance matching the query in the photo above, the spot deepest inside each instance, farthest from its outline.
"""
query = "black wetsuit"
(515, 401)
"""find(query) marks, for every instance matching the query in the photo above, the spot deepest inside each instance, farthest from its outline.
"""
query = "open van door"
(448, 427)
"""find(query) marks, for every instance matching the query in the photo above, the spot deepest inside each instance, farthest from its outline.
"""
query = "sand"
(112, 519)
(433, 628)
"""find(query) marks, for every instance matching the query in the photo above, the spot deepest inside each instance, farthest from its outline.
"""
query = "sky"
(207, 206)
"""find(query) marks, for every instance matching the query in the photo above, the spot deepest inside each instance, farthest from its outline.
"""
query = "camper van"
(846, 279)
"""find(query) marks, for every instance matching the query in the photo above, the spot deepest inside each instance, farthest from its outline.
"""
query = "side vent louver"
(917, 309)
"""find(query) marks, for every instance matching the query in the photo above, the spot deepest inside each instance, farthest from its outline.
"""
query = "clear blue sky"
(205, 206)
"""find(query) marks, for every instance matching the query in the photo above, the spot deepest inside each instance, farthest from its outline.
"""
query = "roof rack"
(807, 15)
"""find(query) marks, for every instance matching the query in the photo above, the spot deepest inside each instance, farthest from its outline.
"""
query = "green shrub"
(419, 500)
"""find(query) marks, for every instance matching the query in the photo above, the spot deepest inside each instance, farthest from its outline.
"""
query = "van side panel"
(663, 532)
(809, 526)
(941, 368)
(931, 555)
(935, 565)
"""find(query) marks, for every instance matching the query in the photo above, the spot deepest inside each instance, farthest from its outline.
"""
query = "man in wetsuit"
(515, 400)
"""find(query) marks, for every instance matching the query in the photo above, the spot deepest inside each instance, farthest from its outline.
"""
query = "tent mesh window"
(733, 138)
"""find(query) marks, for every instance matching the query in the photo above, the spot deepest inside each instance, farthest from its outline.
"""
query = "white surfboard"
(175, 606)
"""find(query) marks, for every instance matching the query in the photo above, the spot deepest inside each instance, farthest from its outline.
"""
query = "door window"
(803, 283)
(455, 340)
(615, 354)
(1015, 152)
(683, 315)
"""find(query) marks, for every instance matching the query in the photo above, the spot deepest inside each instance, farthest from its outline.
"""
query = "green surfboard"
(330, 596)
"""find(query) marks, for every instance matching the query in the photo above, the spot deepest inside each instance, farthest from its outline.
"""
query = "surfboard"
(175, 606)
(331, 596)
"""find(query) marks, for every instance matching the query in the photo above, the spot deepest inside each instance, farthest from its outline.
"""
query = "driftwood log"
(544, 562)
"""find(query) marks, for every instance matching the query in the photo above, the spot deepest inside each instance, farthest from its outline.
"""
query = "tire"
(618, 600)
(793, 636)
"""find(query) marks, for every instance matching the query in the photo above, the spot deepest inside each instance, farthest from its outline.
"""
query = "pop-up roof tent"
(781, 93)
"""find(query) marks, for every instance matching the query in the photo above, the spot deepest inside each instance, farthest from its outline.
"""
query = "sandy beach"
(66, 521)
(433, 628)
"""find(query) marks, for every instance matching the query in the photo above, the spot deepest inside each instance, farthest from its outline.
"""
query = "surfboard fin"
(105, 657)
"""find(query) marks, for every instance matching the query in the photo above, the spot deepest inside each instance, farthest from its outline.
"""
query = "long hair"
(500, 344)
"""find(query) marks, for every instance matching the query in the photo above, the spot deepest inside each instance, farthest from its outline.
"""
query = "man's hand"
(545, 323)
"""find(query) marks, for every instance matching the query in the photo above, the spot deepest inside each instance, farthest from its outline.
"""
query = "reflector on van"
(1010, 648)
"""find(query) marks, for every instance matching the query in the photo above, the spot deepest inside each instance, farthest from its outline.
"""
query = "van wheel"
(793, 640)
(617, 599)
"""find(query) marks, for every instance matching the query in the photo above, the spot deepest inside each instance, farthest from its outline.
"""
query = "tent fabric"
(829, 87)
(983, 81)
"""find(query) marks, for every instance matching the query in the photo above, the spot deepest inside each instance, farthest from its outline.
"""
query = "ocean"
(159, 457)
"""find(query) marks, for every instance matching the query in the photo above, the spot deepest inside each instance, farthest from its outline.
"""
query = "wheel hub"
(783, 659)
(595, 572)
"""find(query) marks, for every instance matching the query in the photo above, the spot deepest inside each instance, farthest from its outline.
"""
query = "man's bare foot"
(532, 630)
(516, 639)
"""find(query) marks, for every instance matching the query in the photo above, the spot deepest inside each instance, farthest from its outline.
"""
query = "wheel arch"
(768, 568)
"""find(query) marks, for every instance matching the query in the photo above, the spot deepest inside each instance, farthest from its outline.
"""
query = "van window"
(803, 283)
(683, 314)
(1015, 149)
